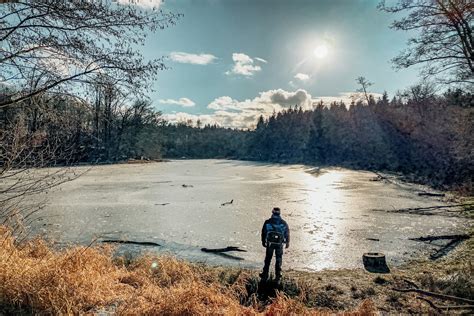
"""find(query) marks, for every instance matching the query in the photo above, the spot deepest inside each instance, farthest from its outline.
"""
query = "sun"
(321, 51)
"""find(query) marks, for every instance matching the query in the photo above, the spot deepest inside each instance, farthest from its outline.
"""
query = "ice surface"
(330, 211)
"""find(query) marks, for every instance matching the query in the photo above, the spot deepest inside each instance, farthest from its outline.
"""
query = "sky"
(232, 60)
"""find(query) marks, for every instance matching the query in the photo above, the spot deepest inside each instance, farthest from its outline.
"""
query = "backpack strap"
(276, 229)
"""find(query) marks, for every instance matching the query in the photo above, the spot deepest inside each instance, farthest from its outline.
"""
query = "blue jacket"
(275, 220)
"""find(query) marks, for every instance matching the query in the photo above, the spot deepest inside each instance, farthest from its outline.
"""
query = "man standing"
(275, 233)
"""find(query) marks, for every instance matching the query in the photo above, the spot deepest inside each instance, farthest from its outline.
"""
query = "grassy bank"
(36, 279)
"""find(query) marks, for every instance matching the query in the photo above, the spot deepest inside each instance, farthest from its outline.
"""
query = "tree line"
(417, 133)
(426, 137)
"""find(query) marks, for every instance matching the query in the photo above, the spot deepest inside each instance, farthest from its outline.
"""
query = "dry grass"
(81, 280)
(36, 279)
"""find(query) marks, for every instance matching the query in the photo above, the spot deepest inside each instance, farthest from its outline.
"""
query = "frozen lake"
(331, 212)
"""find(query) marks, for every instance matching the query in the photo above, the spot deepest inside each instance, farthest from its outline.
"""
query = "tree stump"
(375, 262)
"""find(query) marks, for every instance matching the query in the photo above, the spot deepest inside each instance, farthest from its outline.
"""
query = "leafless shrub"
(24, 152)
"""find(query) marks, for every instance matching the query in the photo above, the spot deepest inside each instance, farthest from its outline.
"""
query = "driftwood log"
(454, 240)
(437, 295)
(431, 194)
(220, 250)
(227, 203)
(223, 252)
(441, 307)
(429, 207)
(141, 243)
(380, 177)
(443, 210)
(411, 283)
(439, 237)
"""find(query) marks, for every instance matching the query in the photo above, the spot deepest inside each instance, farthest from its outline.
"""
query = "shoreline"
(386, 175)
(94, 281)
(135, 213)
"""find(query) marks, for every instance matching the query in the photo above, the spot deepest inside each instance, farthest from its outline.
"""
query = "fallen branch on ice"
(429, 210)
(454, 240)
(431, 194)
(429, 207)
(227, 203)
(431, 238)
(141, 243)
(220, 250)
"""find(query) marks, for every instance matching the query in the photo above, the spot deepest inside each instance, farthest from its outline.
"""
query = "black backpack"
(275, 235)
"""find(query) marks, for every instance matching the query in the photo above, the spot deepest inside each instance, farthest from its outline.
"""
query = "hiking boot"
(278, 279)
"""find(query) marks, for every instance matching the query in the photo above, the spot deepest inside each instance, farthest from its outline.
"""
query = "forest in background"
(424, 136)
(78, 95)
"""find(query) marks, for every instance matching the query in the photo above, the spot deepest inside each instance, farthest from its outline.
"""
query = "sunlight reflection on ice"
(324, 199)
(330, 211)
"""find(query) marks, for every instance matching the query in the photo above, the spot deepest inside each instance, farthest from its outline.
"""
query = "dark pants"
(278, 249)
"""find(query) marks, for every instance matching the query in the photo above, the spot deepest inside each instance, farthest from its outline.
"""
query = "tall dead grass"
(83, 280)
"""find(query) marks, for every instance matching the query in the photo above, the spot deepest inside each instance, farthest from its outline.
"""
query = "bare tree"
(420, 93)
(443, 43)
(27, 145)
(60, 46)
(363, 91)
(52, 55)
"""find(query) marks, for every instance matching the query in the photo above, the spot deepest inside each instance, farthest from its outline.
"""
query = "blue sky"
(232, 60)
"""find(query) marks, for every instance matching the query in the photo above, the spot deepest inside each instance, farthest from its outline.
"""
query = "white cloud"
(182, 117)
(286, 99)
(243, 65)
(261, 60)
(148, 4)
(220, 118)
(185, 102)
(196, 59)
(302, 77)
(233, 113)
(56, 62)
(224, 103)
(244, 114)
(271, 99)
(7, 87)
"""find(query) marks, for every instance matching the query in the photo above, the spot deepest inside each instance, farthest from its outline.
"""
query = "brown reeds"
(88, 280)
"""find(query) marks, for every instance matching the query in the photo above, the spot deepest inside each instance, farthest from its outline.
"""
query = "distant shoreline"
(389, 175)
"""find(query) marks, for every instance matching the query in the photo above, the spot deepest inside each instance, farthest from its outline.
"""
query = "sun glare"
(321, 51)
